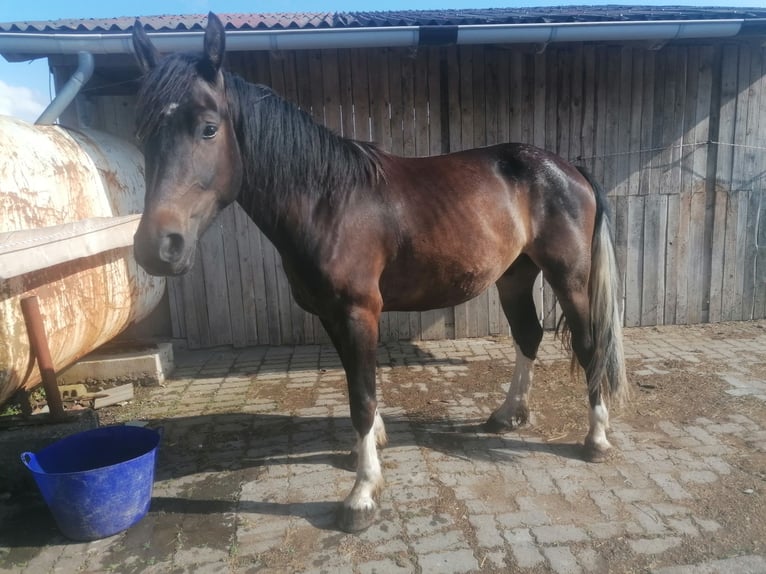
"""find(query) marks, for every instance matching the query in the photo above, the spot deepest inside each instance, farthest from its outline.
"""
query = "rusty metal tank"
(51, 176)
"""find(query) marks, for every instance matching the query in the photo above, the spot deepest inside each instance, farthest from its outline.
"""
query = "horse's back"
(463, 218)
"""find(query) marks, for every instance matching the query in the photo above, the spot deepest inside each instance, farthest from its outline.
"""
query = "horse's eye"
(209, 131)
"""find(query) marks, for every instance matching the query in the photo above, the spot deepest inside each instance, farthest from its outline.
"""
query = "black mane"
(284, 152)
(287, 154)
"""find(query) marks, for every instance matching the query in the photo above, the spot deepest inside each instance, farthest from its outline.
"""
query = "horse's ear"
(146, 54)
(215, 45)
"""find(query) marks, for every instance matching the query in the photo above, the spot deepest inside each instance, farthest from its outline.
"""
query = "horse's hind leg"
(576, 307)
(515, 288)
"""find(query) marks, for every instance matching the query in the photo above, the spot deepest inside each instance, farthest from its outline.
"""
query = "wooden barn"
(663, 105)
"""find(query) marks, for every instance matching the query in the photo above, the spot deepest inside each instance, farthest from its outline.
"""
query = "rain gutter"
(25, 45)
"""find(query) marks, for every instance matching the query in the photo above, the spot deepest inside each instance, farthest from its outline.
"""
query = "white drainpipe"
(70, 90)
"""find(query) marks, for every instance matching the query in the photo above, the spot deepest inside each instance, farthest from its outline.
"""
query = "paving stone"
(591, 561)
(706, 525)
(43, 562)
(635, 477)
(701, 435)
(421, 525)
(486, 530)
(202, 559)
(524, 518)
(630, 495)
(654, 545)
(669, 509)
(455, 561)
(386, 566)
(650, 521)
(670, 486)
(558, 534)
(738, 564)
(523, 548)
(384, 529)
(605, 530)
(540, 480)
(608, 503)
(392, 546)
(698, 476)
(561, 560)
(339, 565)
(726, 428)
(683, 526)
(453, 539)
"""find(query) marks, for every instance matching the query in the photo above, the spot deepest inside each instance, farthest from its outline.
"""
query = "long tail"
(607, 367)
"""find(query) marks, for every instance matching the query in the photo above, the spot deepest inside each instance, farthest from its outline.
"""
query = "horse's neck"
(260, 197)
(279, 194)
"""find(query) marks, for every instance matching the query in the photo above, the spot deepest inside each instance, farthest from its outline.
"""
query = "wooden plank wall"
(677, 136)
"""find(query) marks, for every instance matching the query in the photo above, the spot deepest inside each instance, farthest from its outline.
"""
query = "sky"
(25, 87)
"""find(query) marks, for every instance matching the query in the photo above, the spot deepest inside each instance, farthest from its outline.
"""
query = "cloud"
(20, 102)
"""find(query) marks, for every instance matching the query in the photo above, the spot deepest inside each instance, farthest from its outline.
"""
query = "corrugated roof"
(310, 20)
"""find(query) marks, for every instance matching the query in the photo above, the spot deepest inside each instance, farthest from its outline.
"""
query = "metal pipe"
(38, 344)
(30, 45)
(70, 90)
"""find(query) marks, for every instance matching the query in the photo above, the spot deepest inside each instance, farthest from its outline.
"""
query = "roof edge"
(16, 46)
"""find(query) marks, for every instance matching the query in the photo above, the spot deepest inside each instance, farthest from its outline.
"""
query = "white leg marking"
(381, 438)
(368, 476)
(598, 417)
(379, 430)
(516, 407)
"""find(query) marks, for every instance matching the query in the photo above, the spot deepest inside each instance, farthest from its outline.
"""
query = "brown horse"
(361, 231)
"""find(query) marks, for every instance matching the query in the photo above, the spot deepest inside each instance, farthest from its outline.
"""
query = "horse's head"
(193, 164)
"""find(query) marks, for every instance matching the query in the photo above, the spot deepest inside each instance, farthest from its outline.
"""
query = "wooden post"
(39, 345)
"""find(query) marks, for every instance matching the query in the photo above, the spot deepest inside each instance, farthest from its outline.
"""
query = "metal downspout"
(70, 90)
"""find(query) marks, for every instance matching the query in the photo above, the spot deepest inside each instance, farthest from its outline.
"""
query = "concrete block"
(148, 364)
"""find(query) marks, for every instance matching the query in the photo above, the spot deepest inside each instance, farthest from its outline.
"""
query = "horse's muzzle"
(164, 255)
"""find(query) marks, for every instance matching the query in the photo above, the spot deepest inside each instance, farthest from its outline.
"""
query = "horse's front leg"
(355, 335)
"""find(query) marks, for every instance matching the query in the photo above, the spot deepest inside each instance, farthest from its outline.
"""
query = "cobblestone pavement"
(250, 471)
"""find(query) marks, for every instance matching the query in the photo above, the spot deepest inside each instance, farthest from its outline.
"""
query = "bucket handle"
(27, 457)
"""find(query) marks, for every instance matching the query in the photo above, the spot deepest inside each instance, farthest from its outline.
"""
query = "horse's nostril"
(171, 247)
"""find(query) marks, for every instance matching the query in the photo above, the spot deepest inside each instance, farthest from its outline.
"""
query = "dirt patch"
(293, 553)
(675, 390)
(286, 399)
(678, 392)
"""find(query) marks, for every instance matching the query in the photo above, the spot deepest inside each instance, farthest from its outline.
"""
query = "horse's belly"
(419, 288)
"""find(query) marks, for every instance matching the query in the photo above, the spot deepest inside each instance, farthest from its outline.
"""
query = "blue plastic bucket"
(98, 482)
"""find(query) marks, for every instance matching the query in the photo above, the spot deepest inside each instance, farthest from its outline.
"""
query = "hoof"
(497, 426)
(522, 414)
(499, 422)
(355, 519)
(596, 453)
